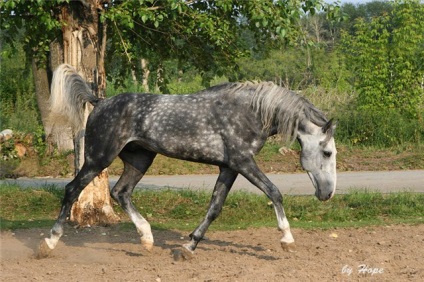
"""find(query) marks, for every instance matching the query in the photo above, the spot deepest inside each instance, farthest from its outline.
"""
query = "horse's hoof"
(186, 253)
(178, 255)
(182, 254)
(44, 250)
(288, 247)
(147, 245)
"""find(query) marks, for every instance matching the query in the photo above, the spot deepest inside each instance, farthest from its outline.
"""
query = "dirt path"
(392, 253)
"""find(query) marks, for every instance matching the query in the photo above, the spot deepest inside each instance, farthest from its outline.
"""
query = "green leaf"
(174, 5)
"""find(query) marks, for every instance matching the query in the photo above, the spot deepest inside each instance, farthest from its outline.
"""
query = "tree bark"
(159, 78)
(146, 73)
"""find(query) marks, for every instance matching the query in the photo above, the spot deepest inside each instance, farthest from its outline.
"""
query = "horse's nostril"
(330, 195)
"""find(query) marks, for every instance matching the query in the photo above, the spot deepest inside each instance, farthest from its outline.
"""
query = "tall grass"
(386, 128)
(18, 105)
(18, 111)
(382, 129)
(22, 115)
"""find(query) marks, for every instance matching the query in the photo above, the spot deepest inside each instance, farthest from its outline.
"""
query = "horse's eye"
(327, 154)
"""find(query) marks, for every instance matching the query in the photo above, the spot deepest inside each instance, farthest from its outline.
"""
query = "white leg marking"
(55, 233)
(287, 235)
(284, 226)
(52, 241)
(144, 229)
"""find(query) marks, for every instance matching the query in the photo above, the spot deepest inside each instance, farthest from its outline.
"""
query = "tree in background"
(386, 57)
(206, 35)
(56, 32)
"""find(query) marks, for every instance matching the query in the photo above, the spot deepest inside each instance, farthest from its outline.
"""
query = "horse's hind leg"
(136, 164)
(223, 185)
(72, 191)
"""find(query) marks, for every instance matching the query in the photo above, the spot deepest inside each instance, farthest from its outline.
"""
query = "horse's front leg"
(259, 179)
(223, 186)
(287, 242)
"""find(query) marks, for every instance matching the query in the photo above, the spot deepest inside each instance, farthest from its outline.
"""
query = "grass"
(184, 209)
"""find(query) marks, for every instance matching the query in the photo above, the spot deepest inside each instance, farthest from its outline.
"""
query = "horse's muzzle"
(324, 188)
(323, 196)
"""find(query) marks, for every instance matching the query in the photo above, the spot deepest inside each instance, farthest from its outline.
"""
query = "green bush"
(383, 128)
(18, 107)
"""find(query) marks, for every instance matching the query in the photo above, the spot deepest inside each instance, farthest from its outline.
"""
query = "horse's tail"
(69, 93)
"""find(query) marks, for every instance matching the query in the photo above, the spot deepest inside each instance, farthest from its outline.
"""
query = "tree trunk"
(134, 76)
(146, 73)
(84, 40)
(159, 78)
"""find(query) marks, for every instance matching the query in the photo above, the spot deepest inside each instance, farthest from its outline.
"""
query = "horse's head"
(318, 157)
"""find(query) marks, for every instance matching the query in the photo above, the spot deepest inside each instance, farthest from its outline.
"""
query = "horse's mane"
(281, 107)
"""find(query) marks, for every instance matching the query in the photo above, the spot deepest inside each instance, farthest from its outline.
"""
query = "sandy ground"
(383, 253)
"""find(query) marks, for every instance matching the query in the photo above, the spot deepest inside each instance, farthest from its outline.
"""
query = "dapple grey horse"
(225, 125)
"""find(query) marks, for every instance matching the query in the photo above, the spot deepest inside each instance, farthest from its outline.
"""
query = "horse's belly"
(207, 151)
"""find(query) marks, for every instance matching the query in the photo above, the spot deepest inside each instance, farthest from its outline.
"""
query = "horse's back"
(181, 126)
(198, 127)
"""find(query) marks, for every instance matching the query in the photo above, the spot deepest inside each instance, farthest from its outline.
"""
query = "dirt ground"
(380, 253)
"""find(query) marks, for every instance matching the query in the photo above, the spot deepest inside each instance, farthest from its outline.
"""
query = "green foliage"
(124, 86)
(18, 108)
(368, 53)
(38, 142)
(298, 69)
(286, 67)
(207, 35)
(366, 11)
(386, 128)
(385, 55)
(408, 57)
(21, 115)
(36, 23)
(386, 58)
(330, 72)
(7, 150)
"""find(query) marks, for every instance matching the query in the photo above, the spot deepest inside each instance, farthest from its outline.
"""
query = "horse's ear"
(329, 127)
